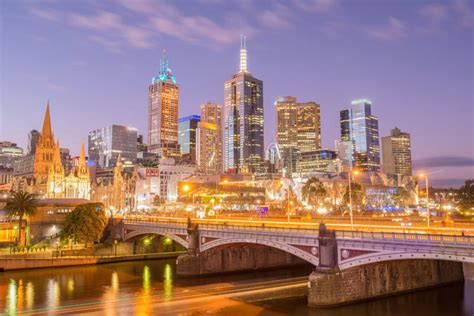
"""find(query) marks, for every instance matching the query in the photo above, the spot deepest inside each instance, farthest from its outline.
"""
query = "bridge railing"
(155, 221)
(261, 228)
(407, 237)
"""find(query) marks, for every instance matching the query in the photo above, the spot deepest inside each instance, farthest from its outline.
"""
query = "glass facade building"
(187, 136)
(360, 128)
(106, 144)
(243, 121)
(212, 113)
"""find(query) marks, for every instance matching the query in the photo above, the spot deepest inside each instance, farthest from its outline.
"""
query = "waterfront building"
(212, 113)
(6, 174)
(243, 120)
(46, 175)
(187, 127)
(9, 153)
(163, 101)
(360, 128)
(33, 137)
(396, 153)
(108, 143)
(322, 160)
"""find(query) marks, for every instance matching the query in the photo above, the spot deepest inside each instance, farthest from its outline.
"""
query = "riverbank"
(17, 262)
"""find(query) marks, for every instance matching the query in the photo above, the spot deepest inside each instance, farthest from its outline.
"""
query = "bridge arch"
(152, 231)
(395, 256)
(308, 257)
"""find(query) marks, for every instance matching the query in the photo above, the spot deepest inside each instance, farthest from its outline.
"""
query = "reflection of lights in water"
(70, 286)
(115, 282)
(30, 295)
(168, 281)
(20, 295)
(11, 298)
(53, 293)
(146, 279)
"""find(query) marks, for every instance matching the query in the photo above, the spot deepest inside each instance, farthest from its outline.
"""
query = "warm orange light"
(226, 181)
(355, 172)
(186, 188)
(421, 175)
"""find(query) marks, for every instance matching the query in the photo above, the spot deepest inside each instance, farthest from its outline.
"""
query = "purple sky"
(94, 60)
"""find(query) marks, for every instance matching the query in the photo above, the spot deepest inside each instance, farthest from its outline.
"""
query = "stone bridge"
(344, 261)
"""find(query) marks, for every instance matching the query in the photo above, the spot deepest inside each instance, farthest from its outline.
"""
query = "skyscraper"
(106, 144)
(212, 113)
(361, 128)
(396, 153)
(308, 125)
(163, 100)
(187, 137)
(298, 130)
(287, 133)
(243, 120)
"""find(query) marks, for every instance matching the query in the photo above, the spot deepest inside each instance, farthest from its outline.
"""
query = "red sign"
(152, 172)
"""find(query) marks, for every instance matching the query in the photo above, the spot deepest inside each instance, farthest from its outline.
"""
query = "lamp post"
(351, 213)
(115, 247)
(427, 199)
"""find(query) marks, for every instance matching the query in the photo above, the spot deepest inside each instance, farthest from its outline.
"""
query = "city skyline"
(131, 109)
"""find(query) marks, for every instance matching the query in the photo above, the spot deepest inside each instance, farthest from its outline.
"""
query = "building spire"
(165, 73)
(163, 63)
(46, 131)
(243, 54)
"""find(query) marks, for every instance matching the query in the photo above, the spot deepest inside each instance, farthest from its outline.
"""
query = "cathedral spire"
(46, 131)
(82, 155)
(243, 54)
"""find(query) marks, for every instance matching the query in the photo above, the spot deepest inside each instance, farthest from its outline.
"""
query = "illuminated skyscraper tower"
(243, 120)
(163, 100)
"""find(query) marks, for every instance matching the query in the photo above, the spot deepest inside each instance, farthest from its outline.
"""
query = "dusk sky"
(94, 61)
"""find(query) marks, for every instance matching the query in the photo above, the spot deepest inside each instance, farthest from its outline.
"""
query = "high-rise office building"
(9, 153)
(360, 127)
(396, 153)
(106, 144)
(298, 130)
(207, 148)
(243, 120)
(187, 137)
(33, 137)
(163, 100)
(212, 113)
(308, 125)
(287, 134)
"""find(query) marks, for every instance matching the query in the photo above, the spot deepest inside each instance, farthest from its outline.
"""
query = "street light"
(355, 172)
(421, 176)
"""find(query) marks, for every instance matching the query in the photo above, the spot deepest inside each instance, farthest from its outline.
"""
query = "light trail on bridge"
(315, 225)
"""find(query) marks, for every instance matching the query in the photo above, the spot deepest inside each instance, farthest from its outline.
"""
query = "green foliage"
(313, 191)
(401, 197)
(85, 224)
(357, 194)
(21, 204)
(466, 195)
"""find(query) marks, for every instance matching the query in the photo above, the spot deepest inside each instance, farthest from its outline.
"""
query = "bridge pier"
(333, 287)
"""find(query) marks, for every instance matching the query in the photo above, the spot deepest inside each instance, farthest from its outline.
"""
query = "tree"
(466, 195)
(401, 197)
(22, 205)
(86, 223)
(313, 191)
(357, 194)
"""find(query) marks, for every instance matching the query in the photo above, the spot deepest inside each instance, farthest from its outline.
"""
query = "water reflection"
(53, 293)
(115, 282)
(30, 295)
(70, 287)
(168, 281)
(146, 279)
(11, 298)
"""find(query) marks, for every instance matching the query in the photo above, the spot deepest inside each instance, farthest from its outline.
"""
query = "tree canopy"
(86, 223)
(313, 191)
(466, 195)
(21, 204)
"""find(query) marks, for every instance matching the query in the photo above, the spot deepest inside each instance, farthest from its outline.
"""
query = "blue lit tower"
(243, 120)
(361, 129)
(163, 100)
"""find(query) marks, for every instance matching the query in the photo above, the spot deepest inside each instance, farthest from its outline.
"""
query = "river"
(151, 287)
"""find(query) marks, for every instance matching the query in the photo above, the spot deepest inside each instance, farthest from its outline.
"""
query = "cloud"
(50, 15)
(434, 12)
(277, 18)
(395, 29)
(318, 6)
(444, 161)
(110, 45)
(464, 12)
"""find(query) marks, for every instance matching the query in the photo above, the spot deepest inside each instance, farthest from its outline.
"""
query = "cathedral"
(49, 178)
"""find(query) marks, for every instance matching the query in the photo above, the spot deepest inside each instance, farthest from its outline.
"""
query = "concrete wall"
(468, 269)
(233, 258)
(329, 288)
